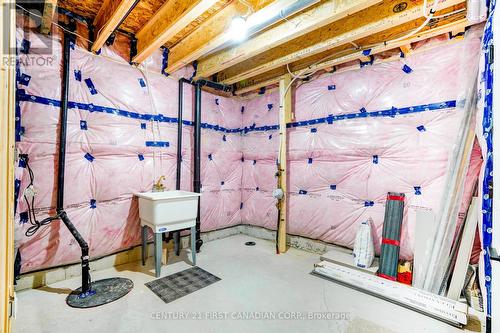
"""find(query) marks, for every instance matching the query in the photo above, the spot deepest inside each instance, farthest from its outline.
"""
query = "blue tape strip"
(367, 52)
(24, 79)
(141, 82)
(375, 159)
(333, 187)
(302, 192)
(83, 125)
(78, 75)
(18, 131)
(89, 157)
(25, 46)
(210, 157)
(407, 69)
(143, 125)
(157, 144)
(23, 217)
(195, 70)
(164, 61)
(332, 87)
(314, 130)
(369, 203)
(421, 128)
(140, 157)
(23, 97)
(93, 204)
(487, 202)
(17, 187)
(309, 160)
(90, 85)
(269, 106)
(22, 163)
(418, 190)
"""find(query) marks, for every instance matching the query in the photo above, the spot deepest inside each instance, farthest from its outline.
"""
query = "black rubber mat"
(172, 287)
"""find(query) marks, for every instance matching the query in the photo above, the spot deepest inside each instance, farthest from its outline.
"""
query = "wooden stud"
(319, 16)
(49, 12)
(7, 133)
(359, 30)
(457, 33)
(405, 49)
(172, 17)
(111, 14)
(355, 55)
(285, 116)
(364, 58)
(209, 36)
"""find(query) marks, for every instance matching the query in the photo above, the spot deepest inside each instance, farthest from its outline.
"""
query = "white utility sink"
(165, 212)
(169, 210)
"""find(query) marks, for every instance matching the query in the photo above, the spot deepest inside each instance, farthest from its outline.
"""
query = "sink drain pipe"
(177, 234)
(197, 159)
(197, 147)
(90, 294)
(86, 282)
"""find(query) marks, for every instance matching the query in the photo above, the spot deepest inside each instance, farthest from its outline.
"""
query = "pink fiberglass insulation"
(343, 155)
(357, 135)
(122, 133)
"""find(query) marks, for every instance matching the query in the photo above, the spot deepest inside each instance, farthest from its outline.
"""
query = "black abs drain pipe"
(182, 81)
(90, 294)
(197, 147)
(197, 159)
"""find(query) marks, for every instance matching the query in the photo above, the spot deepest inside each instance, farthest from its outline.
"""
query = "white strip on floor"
(259, 292)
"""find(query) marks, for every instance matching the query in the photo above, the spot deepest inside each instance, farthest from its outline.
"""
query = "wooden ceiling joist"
(318, 16)
(351, 28)
(209, 36)
(429, 33)
(49, 12)
(111, 14)
(172, 17)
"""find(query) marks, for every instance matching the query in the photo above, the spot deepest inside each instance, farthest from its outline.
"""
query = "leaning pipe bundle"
(391, 234)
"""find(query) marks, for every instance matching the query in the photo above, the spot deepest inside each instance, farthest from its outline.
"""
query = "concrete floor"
(255, 283)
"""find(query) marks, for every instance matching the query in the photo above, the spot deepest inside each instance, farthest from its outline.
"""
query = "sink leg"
(158, 249)
(144, 244)
(193, 245)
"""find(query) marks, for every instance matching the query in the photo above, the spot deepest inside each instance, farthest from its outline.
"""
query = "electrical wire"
(35, 224)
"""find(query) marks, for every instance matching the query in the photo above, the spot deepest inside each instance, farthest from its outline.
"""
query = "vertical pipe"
(68, 38)
(177, 234)
(179, 135)
(197, 160)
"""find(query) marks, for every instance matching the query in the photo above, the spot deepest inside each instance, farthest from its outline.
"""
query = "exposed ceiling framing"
(325, 34)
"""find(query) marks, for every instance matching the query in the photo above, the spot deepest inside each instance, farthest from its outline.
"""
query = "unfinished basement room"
(230, 166)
